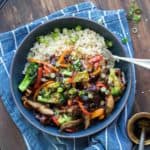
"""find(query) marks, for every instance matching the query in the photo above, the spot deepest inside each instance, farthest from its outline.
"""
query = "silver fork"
(145, 63)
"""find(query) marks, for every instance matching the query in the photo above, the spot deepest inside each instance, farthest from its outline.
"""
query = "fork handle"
(145, 63)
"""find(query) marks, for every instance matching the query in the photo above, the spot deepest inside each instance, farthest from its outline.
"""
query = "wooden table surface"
(19, 12)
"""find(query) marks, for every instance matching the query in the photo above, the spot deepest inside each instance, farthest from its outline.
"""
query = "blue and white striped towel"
(113, 137)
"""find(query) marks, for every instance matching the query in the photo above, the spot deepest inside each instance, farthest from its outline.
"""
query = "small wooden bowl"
(130, 126)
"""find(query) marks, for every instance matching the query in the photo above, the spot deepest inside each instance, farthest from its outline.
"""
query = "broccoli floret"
(29, 77)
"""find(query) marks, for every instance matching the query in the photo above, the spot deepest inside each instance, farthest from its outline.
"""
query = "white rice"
(88, 43)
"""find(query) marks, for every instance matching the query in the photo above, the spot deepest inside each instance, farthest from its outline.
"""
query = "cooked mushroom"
(72, 109)
(70, 124)
(38, 107)
(109, 104)
(86, 121)
(28, 92)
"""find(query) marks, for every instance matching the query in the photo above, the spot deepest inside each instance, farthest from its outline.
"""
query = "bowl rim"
(63, 135)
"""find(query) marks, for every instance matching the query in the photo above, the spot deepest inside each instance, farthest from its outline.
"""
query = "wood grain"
(19, 12)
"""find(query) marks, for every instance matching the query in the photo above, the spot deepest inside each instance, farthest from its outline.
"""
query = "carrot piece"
(69, 80)
(43, 62)
(46, 69)
(61, 58)
(97, 113)
(83, 109)
(39, 76)
(63, 65)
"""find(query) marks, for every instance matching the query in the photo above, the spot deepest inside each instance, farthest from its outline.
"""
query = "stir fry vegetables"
(69, 91)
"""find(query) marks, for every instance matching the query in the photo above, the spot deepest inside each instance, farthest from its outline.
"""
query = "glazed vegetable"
(29, 77)
(67, 88)
(64, 118)
(97, 113)
(109, 104)
(70, 124)
(117, 85)
(81, 76)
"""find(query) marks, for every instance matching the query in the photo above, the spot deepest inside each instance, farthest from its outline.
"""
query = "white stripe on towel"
(28, 146)
(105, 13)
(49, 148)
(77, 8)
(89, 14)
(1, 49)
(96, 147)
(104, 21)
(14, 37)
(4, 65)
(118, 137)
(46, 18)
(27, 27)
(62, 11)
(59, 140)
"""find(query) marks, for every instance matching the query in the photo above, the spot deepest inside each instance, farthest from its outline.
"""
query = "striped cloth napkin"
(114, 137)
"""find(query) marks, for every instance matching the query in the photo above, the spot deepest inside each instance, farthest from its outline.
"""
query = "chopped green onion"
(60, 90)
(74, 39)
(55, 35)
(65, 30)
(72, 91)
(57, 30)
(115, 91)
(78, 28)
(90, 95)
(134, 12)
(81, 93)
(109, 44)
(67, 73)
(124, 40)
(52, 75)
(64, 118)
(136, 18)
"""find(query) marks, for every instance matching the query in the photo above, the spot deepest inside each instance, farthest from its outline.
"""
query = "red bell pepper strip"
(55, 120)
(83, 109)
(39, 76)
(100, 84)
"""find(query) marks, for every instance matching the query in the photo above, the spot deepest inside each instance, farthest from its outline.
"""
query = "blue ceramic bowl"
(20, 60)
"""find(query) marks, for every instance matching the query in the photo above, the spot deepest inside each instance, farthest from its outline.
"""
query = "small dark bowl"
(20, 60)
